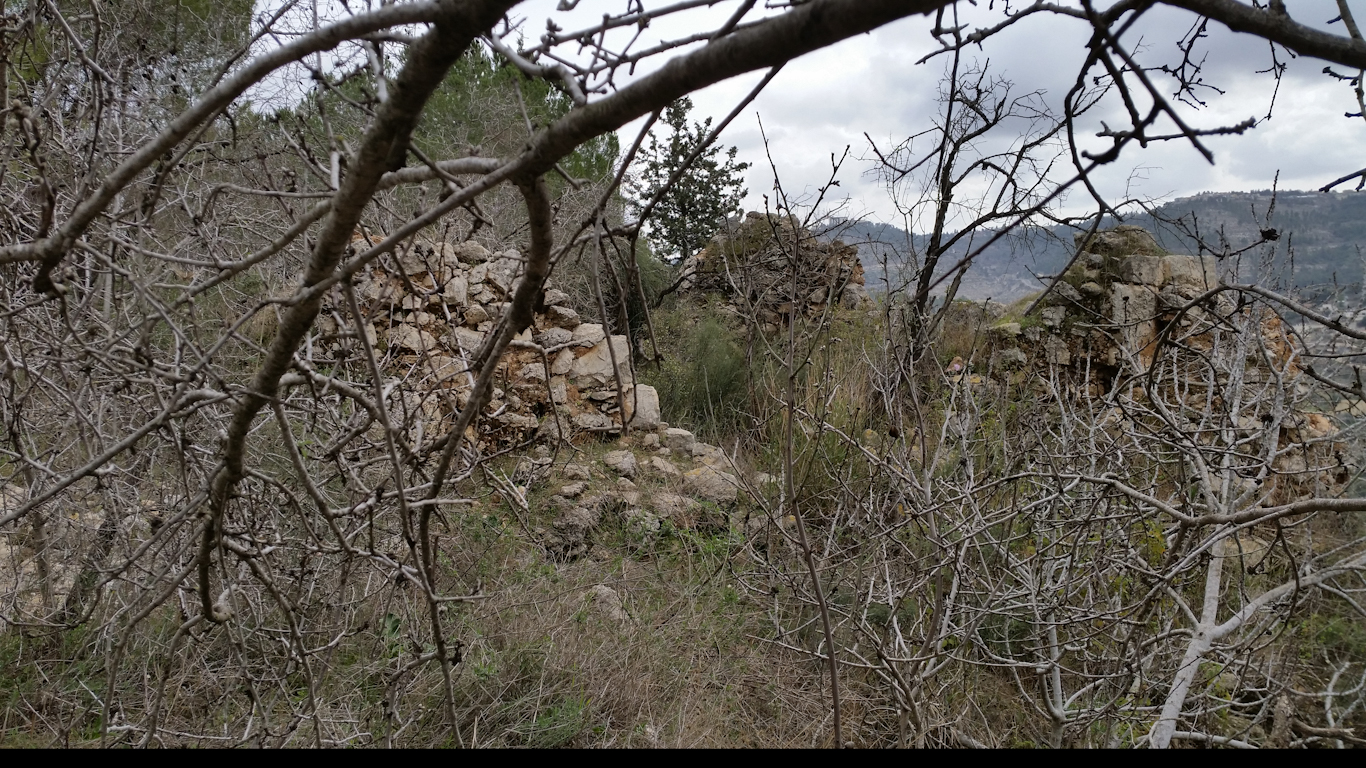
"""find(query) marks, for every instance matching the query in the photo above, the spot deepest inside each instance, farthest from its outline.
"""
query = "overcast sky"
(826, 101)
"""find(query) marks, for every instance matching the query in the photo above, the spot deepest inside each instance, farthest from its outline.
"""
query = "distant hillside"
(1322, 241)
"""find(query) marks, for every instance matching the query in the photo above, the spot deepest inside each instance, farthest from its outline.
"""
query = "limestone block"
(680, 440)
(621, 462)
(592, 421)
(712, 484)
(471, 252)
(559, 390)
(555, 298)
(444, 368)
(642, 407)
(562, 317)
(595, 367)
(456, 291)
(553, 337)
(663, 466)
(1053, 316)
(1143, 269)
(1008, 358)
(475, 315)
(412, 338)
(589, 332)
(413, 262)
(607, 603)
(562, 362)
(532, 373)
(468, 340)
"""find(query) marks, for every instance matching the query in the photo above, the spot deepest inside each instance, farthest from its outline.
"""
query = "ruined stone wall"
(1127, 326)
(751, 261)
(429, 312)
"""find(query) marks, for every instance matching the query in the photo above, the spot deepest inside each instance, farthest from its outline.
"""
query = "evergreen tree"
(697, 205)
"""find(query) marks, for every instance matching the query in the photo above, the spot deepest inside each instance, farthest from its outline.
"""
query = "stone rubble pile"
(751, 262)
(1125, 299)
(428, 312)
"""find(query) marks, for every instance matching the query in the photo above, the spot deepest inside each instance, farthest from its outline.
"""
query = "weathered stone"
(562, 363)
(577, 472)
(856, 297)
(553, 429)
(559, 390)
(1056, 351)
(503, 272)
(532, 373)
(678, 509)
(1092, 288)
(475, 315)
(573, 490)
(595, 367)
(1064, 292)
(680, 440)
(555, 297)
(592, 421)
(1123, 240)
(642, 407)
(553, 337)
(711, 484)
(471, 252)
(1191, 272)
(409, 337)
(650, 441)
(709, 454)
(621, 462)
(663, 466)
(1143, 269)
(456, 292)
(1053, 316)
(444, 368)
(562, 317)
(592, 333)
(642, 527)
(573, 532)
(413, 262)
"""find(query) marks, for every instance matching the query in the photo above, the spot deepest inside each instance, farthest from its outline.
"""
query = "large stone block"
(642, 407)
(412, 338)
(1143, 269)
(594, 368)
(588, 332)
(712, 484)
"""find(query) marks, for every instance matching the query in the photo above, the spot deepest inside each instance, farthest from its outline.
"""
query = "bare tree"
(216, 482)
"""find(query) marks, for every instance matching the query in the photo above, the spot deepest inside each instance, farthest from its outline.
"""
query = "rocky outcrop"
(432, 307)
(752, 260)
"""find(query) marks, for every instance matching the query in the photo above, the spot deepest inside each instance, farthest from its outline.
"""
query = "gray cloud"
(824, 102)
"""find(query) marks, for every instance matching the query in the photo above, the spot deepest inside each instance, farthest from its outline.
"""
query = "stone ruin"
(750, 262)
(1122, 302)
(430, 309)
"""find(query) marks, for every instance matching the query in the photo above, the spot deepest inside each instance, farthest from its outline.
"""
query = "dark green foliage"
(706, 387)
(478, 106)
(710, 190)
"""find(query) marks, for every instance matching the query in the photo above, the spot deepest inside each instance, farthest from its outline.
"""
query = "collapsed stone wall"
(751, 261)
(430, 309)
(1123, 303)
